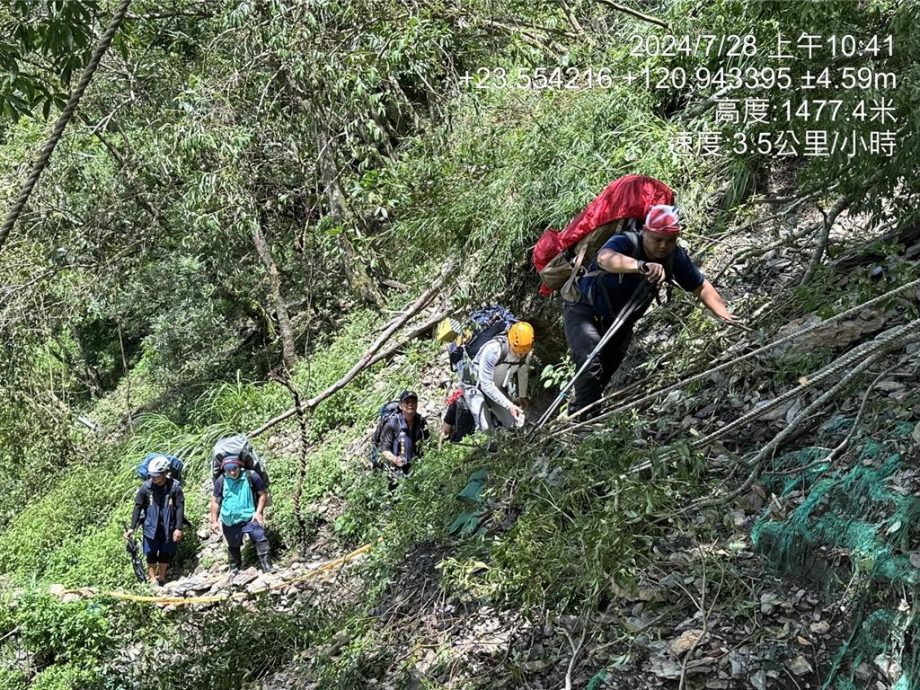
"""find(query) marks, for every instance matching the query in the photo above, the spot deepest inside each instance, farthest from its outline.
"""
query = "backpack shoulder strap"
(503, 349)
(669, 274)
(506, 352)
(252, 485)
(147, 488)
(634, 239)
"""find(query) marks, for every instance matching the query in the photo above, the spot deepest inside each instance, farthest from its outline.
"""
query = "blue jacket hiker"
(615, 275)
(160, 504)
(238, 502)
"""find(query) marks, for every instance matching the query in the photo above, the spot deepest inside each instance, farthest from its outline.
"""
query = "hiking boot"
(235, 557)
(264, 561)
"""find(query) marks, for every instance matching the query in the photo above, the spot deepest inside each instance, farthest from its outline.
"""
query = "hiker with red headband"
(458, 422)
(620, 267)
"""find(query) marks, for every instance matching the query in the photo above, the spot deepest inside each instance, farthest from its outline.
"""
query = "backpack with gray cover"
(240, 446)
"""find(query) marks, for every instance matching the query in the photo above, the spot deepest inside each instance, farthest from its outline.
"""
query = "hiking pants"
(583, 331)
(483, 409)
(234, 533)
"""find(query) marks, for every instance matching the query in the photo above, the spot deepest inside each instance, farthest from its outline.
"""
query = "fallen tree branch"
(887, 342)
(634, 13)
(864, 350)
(573, 20)
(14, 631)
(853, 311)
(370, 357)
(883, 343)
(818, 253)
(839, 448)
(576, 650)
(763, 249)
(774, 444)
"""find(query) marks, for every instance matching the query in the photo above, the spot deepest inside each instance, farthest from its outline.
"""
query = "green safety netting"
(470, 520)
(851, 527)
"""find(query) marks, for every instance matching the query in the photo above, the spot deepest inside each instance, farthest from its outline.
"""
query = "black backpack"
(482, 326)
(387, 411)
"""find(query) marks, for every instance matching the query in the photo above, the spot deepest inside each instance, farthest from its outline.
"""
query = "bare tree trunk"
(821, 245)
(372, 356)
(274, 278)
(355, 271)
(91, 376)
(127, 375)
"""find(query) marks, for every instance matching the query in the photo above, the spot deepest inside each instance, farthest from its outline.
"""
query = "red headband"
(663, 220)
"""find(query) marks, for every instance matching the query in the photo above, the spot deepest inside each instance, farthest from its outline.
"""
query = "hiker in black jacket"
(160, 502)
(403, 434)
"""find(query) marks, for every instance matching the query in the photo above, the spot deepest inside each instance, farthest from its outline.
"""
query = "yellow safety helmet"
(520, 338)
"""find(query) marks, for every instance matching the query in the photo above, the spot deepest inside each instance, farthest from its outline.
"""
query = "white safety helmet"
(158, 465)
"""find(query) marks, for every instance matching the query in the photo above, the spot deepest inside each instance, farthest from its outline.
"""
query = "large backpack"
(387, 411)
(240, 446)
(481, 327)
(561, 257)
(175, 466)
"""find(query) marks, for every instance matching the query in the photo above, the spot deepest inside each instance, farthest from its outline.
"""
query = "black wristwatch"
(642, 267)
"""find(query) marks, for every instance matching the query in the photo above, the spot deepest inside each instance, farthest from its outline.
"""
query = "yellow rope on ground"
(187, 601)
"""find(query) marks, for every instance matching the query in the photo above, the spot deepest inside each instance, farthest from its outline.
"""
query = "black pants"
(583, 331)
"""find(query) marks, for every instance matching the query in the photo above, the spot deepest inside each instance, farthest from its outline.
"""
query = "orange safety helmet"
(520, 338)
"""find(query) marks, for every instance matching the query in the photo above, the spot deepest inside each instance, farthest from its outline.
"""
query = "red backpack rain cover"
(629, 196)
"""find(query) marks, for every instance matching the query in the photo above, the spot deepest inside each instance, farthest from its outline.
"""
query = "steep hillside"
(255, 221)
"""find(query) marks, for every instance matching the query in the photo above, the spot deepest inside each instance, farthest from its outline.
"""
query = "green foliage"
(75, 506)
(77, 634)
(13, 680)
(558, 374)
(340, 130)
(57, 33)
(66, 677)
(576, 521)
(233, 646)
(537, 158)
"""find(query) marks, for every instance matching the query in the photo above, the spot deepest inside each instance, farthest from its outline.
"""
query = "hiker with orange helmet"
(612, 279)
(501, 360)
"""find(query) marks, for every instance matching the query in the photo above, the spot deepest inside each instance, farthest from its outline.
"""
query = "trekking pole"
(638, 297)
(131, 548)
